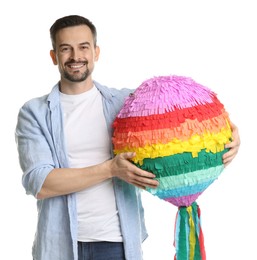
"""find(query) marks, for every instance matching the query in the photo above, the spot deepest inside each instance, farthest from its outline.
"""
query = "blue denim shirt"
(41, 147)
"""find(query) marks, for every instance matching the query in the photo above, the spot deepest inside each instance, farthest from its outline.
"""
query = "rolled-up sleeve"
(35, 155)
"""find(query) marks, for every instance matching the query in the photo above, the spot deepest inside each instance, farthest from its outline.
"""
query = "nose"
(75, 54)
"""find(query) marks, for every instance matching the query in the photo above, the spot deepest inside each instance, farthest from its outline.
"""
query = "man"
(89, 204)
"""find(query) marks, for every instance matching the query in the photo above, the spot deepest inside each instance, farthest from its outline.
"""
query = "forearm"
(63, 181)
(66, 181)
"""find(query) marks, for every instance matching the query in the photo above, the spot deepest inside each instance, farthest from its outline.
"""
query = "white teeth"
(76, 66)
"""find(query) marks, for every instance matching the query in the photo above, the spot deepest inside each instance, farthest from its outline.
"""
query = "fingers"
(132, 174)
(133, 168)
(142, 178)
(235, 136)
(144, 184)
(144, 181)
(231, 154)
(228, 159)
(128, 155)
(232, 146)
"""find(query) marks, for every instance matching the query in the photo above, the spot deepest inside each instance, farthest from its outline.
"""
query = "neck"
(75, 88)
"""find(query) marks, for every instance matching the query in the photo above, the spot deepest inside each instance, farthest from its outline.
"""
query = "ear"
(97, 53)
(53, 56)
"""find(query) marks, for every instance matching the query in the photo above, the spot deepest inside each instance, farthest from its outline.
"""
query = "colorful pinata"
(178, 129)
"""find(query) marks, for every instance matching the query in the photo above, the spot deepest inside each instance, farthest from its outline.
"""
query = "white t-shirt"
(88, 143)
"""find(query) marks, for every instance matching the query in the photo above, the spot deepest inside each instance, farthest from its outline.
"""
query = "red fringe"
(169, 119)
(201, 238)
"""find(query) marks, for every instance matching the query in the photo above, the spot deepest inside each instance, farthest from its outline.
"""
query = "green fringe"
(181, 163)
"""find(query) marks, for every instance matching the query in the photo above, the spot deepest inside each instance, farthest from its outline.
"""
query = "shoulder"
(113, 99)
(109, 92)
(34, 104)
(41, 103)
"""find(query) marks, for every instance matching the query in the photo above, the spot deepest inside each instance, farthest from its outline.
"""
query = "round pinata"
(178, 129)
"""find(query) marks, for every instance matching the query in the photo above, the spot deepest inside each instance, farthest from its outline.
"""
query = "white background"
(214, 42)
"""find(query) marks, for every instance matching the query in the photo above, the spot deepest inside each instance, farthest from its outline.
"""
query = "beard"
(77, 76)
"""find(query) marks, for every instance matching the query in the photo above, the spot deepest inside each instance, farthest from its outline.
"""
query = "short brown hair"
(68, 21)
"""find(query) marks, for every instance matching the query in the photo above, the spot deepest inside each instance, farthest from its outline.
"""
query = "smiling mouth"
(76, 66)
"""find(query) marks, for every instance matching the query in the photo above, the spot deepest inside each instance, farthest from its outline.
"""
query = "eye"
(84, 47)
(65, 49)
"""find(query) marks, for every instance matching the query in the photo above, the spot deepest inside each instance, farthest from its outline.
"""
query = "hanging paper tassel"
(189, 241)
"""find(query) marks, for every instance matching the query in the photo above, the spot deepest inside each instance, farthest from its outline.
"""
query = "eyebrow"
(66, 44)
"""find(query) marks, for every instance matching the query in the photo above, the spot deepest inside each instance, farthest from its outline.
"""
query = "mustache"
(77, 62)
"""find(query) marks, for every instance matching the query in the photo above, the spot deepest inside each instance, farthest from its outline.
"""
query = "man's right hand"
(121, 167)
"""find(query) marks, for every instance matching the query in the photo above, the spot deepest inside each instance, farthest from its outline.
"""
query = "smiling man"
(89, 202)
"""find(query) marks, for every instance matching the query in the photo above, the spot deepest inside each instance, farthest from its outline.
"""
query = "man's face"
(75, 53)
